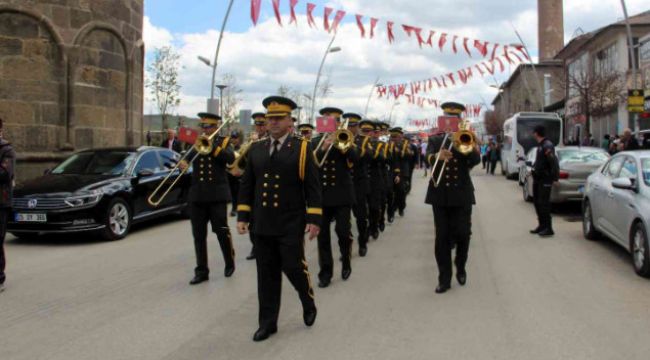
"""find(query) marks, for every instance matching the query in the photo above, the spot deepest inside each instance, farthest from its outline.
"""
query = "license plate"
(21, 217)
(581, 189)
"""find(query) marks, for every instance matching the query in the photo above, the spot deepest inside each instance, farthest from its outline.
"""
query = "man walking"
(361, 179)
(7, 163)
(545, 173)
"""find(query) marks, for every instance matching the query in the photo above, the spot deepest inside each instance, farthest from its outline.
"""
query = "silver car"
(576, 163)
(617, 204)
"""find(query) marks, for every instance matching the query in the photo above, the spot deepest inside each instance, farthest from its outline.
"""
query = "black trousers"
(343, 229)
(390, 201)
(383, 206)
(399, 197)
(542, 200)
(484, 160)
(360, 211)
(233, 183)
(453, 227)
(216, 214)
(4, 213)
(275, 255)
(374, 212)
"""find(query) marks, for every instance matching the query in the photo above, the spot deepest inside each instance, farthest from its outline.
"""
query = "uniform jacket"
(456, 188)
(7, 164)
(209, 176)
(336, 176)
(545, 161)
(283, 193)
(360, 170)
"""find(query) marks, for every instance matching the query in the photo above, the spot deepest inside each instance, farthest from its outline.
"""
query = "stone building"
(71, 77)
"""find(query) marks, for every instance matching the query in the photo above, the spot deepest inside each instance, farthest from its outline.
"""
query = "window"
(605, 60)
(168, 158)
(629, 170)
(581, 156)
(148, 161)
(577, 73)
(614, 167)
(645, 166)
(96, 163)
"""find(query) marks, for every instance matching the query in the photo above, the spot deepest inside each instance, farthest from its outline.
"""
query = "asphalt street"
(526, 297)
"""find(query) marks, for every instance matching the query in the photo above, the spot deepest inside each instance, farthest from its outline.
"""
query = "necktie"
(276, 148)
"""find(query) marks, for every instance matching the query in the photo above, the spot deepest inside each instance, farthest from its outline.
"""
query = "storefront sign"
(635, 101)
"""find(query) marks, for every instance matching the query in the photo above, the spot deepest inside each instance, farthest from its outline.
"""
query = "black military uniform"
(413, 157)
(377, 182)
(306, 131)
(404, 157)
(233, 181)
(259, 120)
(545, 173)
(398, 168)
(361, 179)
(208, 199)
(280, 188)
(338, 199)
(387, 195)
(452, 203)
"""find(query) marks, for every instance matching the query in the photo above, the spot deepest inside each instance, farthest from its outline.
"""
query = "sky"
(264, 57)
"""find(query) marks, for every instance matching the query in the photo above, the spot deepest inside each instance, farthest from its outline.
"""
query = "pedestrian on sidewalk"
(545, 173)
(493, 157)
(484, 152)
(7, 163)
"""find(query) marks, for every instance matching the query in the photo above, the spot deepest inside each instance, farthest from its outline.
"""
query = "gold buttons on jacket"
(266, 185)
(266, 176)
(276, 186)
(264, 194)
(277, 176)
(264, 203)
(275, 204)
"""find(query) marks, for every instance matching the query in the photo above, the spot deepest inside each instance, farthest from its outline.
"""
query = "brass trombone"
(203, 145)
(343, 141)
(463, 140)
(240, 156)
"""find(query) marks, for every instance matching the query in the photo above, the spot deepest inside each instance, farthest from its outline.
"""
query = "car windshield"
(96, 163)
(582, 156)
(645, 167)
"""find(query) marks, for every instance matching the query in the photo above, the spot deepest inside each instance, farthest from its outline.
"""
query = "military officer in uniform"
(403, 158)
(396, 168)
(280, 188)
(361, 180)
(452, 202)
(260, 122)
(306, 131)
(338, 199)
(208, 199)
(369, 128)
(388, 179)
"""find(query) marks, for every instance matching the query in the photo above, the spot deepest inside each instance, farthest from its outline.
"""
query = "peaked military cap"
(367, 124)
(336, 112)
(278, 106)
(452, 108)
(353, 119)
(209, 118)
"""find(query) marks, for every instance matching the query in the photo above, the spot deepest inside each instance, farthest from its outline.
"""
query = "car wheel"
(588, 229)
(117, 220)
(640, 251)
(527, 196)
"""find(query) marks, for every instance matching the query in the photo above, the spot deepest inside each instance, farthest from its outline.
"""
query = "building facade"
(71, 77)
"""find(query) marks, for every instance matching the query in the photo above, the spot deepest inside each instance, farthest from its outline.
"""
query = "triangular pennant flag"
(506, 55)
(479, 70)
(418, 34)
(293, 4)
(407, 29)
(381, 90)
(501, 67)
(442, 41)
(481, 47)
(453, 48)
(337, 19)
(430, 39)
(373, 24)
(465, 40)
(310, 14)
(276, 10)
(517, 56)
(523, 51)
(451, 77)
(488, 68)
(326, 18)
(256, 6)
(360, 25)
(389, 29)
(494, 51)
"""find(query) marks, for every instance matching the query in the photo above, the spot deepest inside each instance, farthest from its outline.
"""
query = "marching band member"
(377, 182)
(361, 180)
(306, 131)
(260, 122)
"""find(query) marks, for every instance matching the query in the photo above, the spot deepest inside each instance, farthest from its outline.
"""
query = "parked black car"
(102, 190)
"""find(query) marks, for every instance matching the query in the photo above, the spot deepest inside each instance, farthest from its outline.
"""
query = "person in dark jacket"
(452, 201)
(7, 164)
(629, 141)
(171, 142)
(361, 179)
(400, 169)
(377, 181)
(281, 189)
(208, 199)
(543, 178)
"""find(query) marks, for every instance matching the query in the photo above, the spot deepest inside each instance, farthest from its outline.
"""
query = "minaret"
(550, 28)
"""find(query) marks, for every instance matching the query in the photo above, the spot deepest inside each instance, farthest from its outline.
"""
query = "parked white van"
(518, 138)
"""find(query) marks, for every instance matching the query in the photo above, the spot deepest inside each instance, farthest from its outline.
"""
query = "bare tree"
(284, 90)
(232, 97)
(493, 123)
(325, 87)
(162, 81)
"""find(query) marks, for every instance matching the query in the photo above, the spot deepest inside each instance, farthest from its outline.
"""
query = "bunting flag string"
(472, 47)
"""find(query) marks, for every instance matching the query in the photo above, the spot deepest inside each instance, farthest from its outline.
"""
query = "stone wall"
(71, 76)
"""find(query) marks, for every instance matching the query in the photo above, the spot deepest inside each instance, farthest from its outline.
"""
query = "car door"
(623, 201)
(178, 192)
(148, 173)
(606, 207)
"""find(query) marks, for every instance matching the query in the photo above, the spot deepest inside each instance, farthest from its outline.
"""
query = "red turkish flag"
(523, 51)
(187, 135)
(326, 124)
(310, 14)
(389, 28)
(256, 6)
(517, 56)
(490, 67)
(481, 47)
(442, 41)
(360, 25)
(373, 23)
(326, 18)
(337, 19)
(293, 11)
(451, 77)
(506, 55)
(276, 10)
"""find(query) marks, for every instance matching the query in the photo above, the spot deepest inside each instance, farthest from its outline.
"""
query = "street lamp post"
(372, 89)
(330, 49)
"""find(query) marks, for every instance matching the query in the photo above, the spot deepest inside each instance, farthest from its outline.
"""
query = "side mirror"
(624, 184)
(144, 173)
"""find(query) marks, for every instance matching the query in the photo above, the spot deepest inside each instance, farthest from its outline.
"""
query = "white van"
(518, 138)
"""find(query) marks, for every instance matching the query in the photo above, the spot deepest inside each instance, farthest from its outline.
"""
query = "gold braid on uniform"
(404, 148)
(223, 145)
(302, 164)
(378, 150)
(363, 145)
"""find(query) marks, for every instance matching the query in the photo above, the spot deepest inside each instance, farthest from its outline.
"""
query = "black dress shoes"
(462, 278)
(228, 271)
(546, 233)
(309, 316)
(199, 279)
(251, 256)
(263, 333)
(363, 251)
(345, 273)
(382, 227)
(323, 283)
(441, 289)
(375, 234)
(536, 230)
(391, 219)
(401, 213)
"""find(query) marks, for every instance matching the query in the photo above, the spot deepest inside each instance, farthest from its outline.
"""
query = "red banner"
(448, 123)
(187, 135)
(326, 124)
(326, 18)
(337, 19)
(310, 14)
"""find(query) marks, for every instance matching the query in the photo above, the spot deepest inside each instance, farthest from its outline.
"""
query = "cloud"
(267, 56)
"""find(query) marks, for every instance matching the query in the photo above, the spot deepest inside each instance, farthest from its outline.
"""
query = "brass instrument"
(463, 140)
(343, 141)
(237, 167)
(203, 146)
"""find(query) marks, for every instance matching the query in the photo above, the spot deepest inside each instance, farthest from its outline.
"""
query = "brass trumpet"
(239, 164)
(203, 145)
(343, 141)
(463, 140)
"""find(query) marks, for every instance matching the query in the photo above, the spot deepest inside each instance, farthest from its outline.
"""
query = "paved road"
(526, 297)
